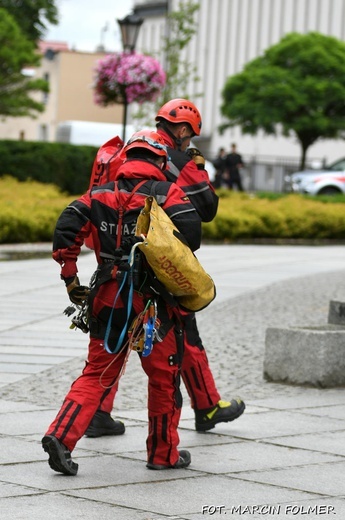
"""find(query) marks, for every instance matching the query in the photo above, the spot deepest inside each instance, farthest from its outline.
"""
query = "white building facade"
(229, 34)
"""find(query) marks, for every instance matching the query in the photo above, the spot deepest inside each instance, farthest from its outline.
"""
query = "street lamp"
(129, 26)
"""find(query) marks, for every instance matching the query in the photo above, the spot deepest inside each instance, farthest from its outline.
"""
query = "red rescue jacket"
(97, 213)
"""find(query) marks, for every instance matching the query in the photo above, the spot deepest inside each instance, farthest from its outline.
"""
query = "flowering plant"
(124, 78)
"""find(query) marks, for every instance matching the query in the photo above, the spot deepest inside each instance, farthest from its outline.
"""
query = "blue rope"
(129, 307)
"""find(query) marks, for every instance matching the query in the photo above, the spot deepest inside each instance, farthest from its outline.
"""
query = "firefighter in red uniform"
(178, 121)
(98, 212)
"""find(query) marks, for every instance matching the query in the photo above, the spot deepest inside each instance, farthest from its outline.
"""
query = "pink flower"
(121, 77)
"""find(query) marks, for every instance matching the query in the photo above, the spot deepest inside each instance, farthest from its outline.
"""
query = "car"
(327, 181)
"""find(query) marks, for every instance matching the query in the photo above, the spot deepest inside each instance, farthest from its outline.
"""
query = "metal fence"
(269, 174)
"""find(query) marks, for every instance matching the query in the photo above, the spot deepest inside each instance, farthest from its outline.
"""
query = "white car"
(329, 181)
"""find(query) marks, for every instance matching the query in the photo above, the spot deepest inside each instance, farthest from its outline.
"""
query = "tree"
(297, 88)
(32, 16)
(16, 54)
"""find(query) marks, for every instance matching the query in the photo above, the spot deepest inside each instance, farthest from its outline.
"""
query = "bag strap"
(122, 208)
(153, 188)
(129, 306)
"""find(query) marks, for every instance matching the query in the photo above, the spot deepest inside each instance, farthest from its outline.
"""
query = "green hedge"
(65, 165)
(29, 211)
(250, 217)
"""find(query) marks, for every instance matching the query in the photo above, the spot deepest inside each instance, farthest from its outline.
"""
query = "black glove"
(125, 250)
(77, 293)
(196, 156)
(128, 243)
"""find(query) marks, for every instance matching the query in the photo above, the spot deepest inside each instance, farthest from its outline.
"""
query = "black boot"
(103, 424)
(224, 411)
(59, 456)
(183, 461)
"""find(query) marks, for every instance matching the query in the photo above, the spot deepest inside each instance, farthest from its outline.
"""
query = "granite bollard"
(336, 313)
(306, 356)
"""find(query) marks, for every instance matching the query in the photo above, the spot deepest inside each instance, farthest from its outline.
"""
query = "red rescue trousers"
(195, 372)
(164, 398)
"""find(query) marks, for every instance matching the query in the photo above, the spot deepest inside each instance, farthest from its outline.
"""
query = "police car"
(328, 181)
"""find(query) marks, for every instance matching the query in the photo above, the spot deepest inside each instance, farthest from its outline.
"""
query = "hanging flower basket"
(124, 78)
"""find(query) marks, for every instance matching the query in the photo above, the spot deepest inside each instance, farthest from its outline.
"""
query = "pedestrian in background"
(219, 164)
(233, 165)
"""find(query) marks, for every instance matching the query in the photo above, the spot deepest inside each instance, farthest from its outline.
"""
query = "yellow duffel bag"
(172, 261)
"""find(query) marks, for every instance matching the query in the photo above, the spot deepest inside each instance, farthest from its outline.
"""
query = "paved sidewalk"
(284, 458)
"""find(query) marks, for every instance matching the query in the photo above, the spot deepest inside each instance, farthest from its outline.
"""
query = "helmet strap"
(177, 140)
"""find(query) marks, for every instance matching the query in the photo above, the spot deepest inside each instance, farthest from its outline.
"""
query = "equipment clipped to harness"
(149, 328)
(81, 320)
(143, 331)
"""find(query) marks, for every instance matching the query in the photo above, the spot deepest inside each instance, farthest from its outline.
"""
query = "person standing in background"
(219, 164)
(233, 165)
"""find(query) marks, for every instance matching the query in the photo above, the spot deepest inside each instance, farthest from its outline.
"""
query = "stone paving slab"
(12, 490)
(275, 424)
(29, 423)
(26, 368)
(326, 478)
(97, 471)
(308, 398)
(234, 457)
(15, 407)
(19, 451)
(6, 378)
(61, 343)
(30, 358)
(59, 506)
(333, 411)
(273, 455)
(49, 352)
(135, 441)
(187, 496)
(325, 442)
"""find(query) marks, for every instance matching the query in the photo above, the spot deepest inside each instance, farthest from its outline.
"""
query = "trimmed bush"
(65, 165)
(29, 211)
(244, 216)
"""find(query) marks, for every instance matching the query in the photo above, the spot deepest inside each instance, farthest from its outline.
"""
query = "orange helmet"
(148, 139)
(181, 111)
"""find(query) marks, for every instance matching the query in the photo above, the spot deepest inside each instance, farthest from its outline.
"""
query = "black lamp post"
(130, 26)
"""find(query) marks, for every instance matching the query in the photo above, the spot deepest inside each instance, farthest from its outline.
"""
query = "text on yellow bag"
(172, 261)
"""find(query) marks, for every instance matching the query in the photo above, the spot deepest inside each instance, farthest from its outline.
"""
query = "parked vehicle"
(327, 181)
